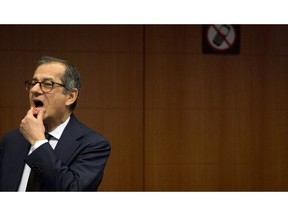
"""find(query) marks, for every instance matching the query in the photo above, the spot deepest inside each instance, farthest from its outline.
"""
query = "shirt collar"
(57, 132)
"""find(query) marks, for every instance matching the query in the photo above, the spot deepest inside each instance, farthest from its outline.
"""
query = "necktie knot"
(48, 136)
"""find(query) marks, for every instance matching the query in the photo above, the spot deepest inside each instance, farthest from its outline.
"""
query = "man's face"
(54, 101)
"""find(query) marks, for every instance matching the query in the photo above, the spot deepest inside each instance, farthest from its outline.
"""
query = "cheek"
(55, 106)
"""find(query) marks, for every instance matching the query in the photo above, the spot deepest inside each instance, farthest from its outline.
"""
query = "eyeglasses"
(45, 86)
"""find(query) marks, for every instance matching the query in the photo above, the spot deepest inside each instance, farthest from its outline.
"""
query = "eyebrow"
(45, 79)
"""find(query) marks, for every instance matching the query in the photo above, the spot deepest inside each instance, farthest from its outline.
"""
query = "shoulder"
(14, 134)
(82, 132)
(12, 139)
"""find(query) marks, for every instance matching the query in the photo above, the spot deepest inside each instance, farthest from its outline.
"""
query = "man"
(72, 158)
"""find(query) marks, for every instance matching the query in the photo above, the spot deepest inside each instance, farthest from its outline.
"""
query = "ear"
(71, 97)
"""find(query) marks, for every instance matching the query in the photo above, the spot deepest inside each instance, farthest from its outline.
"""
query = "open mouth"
(38, 103)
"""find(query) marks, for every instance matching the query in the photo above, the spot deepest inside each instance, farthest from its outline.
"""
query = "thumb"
(40, 115)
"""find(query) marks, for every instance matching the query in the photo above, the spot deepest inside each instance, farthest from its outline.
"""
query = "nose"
(36, 88)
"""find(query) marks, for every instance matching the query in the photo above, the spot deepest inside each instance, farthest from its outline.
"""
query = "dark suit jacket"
(76, 164)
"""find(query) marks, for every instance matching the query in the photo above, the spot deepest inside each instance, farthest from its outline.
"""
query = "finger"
(34, 112)
(30, 111)
(40, 115)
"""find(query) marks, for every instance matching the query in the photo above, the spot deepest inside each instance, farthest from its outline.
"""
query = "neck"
(51, 124)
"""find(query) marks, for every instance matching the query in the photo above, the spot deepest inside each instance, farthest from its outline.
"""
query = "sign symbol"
(221, 39)
(221, 34)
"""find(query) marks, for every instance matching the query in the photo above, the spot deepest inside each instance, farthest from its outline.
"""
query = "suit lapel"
(68, 142)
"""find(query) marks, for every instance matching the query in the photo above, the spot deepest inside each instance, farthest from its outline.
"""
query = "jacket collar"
(68, 142)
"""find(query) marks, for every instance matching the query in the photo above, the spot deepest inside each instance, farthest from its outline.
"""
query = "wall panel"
(215, 122)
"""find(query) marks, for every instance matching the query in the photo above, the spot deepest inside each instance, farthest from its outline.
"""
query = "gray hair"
(70, 79)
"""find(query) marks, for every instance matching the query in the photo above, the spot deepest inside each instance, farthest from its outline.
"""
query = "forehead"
(52, 70)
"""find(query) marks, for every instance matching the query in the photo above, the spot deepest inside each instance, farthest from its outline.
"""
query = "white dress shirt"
(56, 134)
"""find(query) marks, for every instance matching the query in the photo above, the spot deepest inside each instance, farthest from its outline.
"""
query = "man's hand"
(32, 126)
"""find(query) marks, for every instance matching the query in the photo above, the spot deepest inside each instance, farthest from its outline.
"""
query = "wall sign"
(221, 39)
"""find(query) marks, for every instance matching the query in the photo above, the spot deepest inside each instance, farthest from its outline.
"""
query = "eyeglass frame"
(29, 83)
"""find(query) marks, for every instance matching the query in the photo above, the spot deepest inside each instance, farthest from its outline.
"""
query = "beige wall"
(178, 120)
